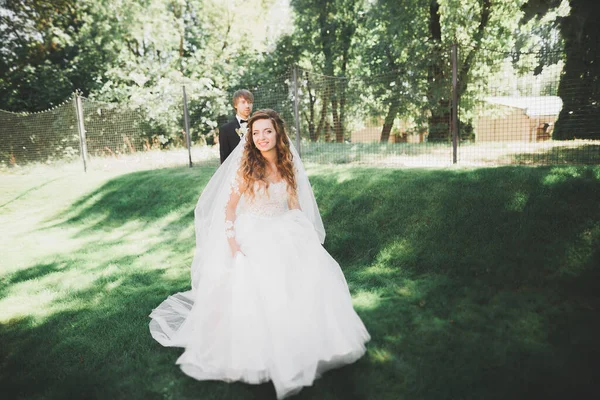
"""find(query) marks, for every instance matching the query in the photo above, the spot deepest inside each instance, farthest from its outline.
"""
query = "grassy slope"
(475, 284)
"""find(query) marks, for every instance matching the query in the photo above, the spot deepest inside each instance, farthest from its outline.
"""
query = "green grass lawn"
(474, 283)
(568, 152)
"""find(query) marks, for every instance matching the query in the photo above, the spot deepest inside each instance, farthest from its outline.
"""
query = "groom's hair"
(242, 93)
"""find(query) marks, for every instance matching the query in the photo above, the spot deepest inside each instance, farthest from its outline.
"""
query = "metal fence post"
(296, 112)
(186, 121)
(81, 129)
(454, 103)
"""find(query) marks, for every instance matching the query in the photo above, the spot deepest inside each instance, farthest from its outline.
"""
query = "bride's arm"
(293, 203)
(237, 189)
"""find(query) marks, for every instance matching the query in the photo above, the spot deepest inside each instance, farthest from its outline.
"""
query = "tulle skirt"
(281, 311)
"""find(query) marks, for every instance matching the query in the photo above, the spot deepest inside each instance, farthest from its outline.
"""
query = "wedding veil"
(212, 250)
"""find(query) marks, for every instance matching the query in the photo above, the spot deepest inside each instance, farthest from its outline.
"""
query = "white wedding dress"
(281, 311)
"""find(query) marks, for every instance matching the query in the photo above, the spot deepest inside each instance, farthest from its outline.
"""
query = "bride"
(267, 301)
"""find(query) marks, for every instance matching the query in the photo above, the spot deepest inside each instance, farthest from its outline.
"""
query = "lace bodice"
(270, 204)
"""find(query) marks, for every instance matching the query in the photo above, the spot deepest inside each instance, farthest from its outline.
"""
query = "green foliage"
(579, 89)
(393, 60)
(138, 53)
(396, 59)
(38, 42)
(24, 142)
(579, 86)
(141, 52)
(326, 32)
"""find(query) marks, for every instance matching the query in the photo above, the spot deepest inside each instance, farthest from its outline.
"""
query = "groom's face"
(243, 108)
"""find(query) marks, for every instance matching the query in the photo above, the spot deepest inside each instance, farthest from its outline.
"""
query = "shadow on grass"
(587, 154)
(475, 284)
(143, 196)
(478, 280)
(508, 226)
(36, 272)
(101, 348)
(28, 191)
(94, 350)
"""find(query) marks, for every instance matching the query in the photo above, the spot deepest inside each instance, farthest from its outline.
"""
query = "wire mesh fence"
(394, 119)
(118, 135)
(47, 137)
(382, 120)
(512, 119)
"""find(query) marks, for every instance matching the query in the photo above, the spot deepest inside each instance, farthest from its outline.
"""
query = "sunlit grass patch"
(380, 355)
(367, 300)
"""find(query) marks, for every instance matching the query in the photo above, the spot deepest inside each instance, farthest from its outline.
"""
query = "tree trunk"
(440, 122)
(327, 40)
(310, 120)
(337, 126)
(439, 91)
(327, 132)
(436, 79)
(388, 123)
(579, 86)
(340, 136)
(321, 124)
(347, 37)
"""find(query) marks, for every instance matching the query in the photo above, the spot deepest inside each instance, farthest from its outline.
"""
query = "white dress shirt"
(243, 125)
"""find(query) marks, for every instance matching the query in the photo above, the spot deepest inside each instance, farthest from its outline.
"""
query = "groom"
(231, 132)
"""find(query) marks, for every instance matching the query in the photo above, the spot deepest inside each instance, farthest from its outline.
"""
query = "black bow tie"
(243, 121)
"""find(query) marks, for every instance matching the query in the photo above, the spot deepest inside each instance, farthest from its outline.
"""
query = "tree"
(579, 86)
(483, 30)
(37, 46)
(414, 39)
(331, 26)
(391, 60)
(137, 52)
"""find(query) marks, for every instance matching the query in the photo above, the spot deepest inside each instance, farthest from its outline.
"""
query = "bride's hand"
(235, 247)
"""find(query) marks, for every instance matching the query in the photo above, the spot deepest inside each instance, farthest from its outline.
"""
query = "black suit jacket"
(228, 138)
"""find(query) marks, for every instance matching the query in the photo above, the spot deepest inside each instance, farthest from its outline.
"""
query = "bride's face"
(264, 135)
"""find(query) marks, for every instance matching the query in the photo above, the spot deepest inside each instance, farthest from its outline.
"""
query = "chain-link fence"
(394, 119)
(48, 136)
(400, 119)
(96, 135)
(381, 120)
(115, 134)
(513, 119)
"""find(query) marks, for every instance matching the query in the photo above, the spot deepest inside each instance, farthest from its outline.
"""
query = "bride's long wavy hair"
(254, 165)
